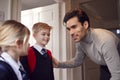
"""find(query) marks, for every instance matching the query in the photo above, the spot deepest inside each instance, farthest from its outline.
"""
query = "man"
(100, 45)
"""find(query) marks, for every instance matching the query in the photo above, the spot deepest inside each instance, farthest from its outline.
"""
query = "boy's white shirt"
(38, 48)
(15, 66)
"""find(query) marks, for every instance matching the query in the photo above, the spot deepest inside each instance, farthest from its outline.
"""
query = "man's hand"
(55, 62)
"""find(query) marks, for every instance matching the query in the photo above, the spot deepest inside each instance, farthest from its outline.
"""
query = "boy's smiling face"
(42, 37)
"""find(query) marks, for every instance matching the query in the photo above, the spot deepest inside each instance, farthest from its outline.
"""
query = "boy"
(39, 58)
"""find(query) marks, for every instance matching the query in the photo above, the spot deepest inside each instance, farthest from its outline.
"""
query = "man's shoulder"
(102, 34)
(99, 30)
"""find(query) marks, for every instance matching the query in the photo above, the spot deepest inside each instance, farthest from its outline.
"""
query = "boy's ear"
(85, 24)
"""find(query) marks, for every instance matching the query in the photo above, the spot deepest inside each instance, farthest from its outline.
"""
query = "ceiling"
(106, 11)
(28, 4)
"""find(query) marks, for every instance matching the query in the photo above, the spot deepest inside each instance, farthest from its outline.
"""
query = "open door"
(50, 15)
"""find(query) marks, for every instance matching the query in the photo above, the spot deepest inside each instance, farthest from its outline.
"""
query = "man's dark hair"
(79, 13)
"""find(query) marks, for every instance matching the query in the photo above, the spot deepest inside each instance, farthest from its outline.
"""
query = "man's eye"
(74, 26)
(43, 34)
(68, 29)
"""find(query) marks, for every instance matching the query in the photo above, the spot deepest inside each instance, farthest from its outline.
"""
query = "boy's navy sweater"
(40, 67)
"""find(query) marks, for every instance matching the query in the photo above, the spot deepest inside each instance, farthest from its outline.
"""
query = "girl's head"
(14, 37)
(41, 33)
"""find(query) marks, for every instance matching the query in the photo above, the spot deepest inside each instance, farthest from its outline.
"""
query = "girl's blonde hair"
(11, 30)
(40, 25)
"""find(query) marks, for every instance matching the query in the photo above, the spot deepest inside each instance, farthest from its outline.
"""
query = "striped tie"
(44, 52)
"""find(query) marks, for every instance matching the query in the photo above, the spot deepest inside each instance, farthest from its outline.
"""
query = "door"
(91, 70)
(50, 15)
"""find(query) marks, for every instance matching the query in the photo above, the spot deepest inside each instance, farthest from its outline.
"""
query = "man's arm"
(74, 62)
(112, 58)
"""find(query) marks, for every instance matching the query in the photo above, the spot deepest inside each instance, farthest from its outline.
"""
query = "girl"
(14, 38)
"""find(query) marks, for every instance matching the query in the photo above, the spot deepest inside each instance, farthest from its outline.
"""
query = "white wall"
(5, 9)
(10, 9)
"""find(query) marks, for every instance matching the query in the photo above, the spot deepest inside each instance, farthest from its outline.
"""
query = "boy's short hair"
(40, 25)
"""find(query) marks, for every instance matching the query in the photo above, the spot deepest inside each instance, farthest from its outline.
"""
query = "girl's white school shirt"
(15, 65)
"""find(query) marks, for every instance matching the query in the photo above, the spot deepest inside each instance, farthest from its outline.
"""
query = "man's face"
(76, 29)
